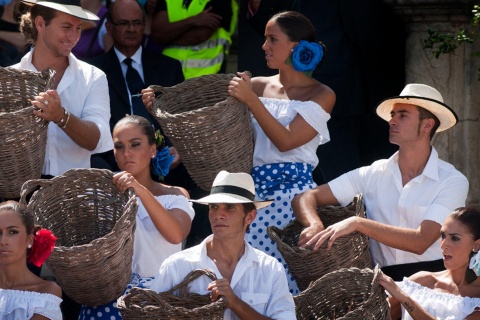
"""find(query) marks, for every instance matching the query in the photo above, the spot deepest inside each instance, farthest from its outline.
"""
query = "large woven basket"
(307, 265)
(351, 293)
(94, 224)
(23, 136)
(148, 304)
(210, 129)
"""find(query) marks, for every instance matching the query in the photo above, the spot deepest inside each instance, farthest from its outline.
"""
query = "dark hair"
(247, 207)
(25, 215)
(143, 123)
(297, 27)
(27, 23)
(425, 114)
(109, 15)
(469, 217)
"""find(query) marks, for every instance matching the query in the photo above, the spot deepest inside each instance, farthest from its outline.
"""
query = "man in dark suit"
(126, 25)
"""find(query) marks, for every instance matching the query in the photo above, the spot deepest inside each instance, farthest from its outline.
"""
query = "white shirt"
(22, 305)
(285, 111)
(430, 196)
(441, 305)
(150, 248)
(258, 279)
(83, 91)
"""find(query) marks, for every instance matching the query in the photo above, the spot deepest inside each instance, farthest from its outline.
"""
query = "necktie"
(135, 86)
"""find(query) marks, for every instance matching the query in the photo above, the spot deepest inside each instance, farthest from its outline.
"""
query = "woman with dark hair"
(450, 294)
(290, 111)
(164, 214)
(23, 295)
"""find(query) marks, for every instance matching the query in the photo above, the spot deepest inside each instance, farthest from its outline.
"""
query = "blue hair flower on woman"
(306, 56)
(162, 160)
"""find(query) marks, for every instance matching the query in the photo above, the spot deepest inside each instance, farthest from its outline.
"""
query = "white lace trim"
(18, 304)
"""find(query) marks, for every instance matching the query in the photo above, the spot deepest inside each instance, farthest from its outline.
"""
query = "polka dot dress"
(279, 182)
(109, 311)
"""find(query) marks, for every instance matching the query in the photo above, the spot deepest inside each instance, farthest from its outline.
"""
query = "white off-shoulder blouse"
(441, 305)
(19, 305)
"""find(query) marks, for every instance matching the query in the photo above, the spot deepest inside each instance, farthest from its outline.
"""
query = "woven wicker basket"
(210, 129)
(344, 294)
(307, 265)
(148, 304)
(94, 224)
(23, 136)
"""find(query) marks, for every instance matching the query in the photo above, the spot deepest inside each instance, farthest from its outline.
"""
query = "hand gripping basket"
(148, 304)
(23, 136)
(348, 293)
(94, 224)
(210, 129)
(307, 265)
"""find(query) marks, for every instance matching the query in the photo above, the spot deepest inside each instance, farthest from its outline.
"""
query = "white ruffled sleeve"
(315, 116)
(19, 305)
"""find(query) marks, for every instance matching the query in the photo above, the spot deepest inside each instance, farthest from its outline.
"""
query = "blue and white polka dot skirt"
(109, 311)
(279, 182)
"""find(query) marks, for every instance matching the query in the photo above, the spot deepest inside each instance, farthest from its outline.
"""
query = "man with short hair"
(77, 106)
(253, 283)
(407, 197)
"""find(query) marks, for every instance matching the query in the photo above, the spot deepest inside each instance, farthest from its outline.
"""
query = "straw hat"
(423, 96)
(233, 188)
(71, 7)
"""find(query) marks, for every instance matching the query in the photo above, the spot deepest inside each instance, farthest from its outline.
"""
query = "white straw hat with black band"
(233, 188)
(425, 97)
(71, 7)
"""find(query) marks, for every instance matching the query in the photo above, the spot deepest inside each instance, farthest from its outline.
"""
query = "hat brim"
(444, 113)
(75, 11)
(231, 198)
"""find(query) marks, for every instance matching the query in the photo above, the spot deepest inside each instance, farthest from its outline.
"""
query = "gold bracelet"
(66, 121)
(61, 120)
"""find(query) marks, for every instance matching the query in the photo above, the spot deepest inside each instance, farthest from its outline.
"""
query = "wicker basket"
(23, 136)
(94, 224)
(148, 304)
(344, 294)
(307, 265)
(210, 129)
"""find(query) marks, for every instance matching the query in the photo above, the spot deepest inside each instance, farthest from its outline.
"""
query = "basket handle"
(192, 276)
(30, 186)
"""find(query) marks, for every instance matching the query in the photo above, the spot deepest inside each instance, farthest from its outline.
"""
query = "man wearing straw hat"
(407, 196)
(78, 106)
(253, 283)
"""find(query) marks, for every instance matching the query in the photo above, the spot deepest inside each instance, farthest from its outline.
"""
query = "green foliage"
(446, 43)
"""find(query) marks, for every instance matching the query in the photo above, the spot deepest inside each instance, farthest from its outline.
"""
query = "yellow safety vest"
(206, 57)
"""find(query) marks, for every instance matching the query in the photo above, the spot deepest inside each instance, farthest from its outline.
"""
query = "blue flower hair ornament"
(475, 263)
(306, 56)
(162, 160)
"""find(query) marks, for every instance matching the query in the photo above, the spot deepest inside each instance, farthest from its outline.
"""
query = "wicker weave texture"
(23, 136)
(94, 224)
(148, 304)
(307, 265)
(210, 129)
(348, 293)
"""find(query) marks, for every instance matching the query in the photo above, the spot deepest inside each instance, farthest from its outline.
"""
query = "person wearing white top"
(407, 197)
(23, 295)
(289, 116)
(253, 283)
(78, 106)
(164, 214)
(450, 294)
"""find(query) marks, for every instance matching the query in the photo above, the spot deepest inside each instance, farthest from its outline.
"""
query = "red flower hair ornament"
(42, 247)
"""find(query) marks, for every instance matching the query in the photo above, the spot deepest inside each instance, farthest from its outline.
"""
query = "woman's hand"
(176, 158)
(148, 96)
(241, 88)
(124, 180)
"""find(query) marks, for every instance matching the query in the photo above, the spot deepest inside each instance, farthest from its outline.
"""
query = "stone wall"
(455, 76)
